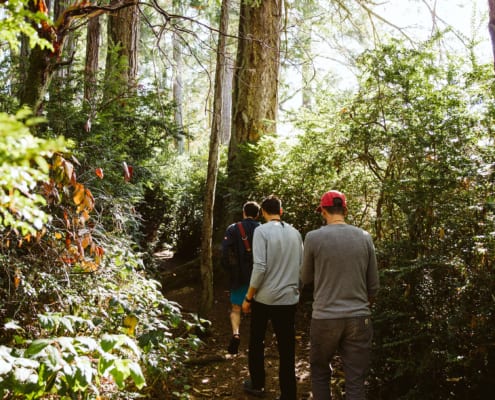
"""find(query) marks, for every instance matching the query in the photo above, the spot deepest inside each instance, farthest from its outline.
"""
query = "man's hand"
(246, 307)
(246, 304)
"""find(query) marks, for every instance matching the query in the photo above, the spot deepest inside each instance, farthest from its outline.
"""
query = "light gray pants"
(351, 337)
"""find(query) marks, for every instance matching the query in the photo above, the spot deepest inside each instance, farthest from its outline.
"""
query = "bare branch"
(372, 14)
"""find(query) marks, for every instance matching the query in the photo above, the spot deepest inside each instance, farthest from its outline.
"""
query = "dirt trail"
(214, 374)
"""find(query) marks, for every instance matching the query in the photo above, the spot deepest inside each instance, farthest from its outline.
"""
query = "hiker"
(273, 295)
(237, 257)
(340, 261)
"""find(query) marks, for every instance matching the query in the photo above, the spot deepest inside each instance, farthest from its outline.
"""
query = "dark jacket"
(235, 258)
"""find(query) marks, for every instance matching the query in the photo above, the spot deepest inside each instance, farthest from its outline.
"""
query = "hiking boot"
(248, 388)
(234, 344)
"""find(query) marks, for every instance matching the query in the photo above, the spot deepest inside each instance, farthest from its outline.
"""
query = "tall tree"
(491, 25)
(177, 91)
(255, 92)
(91, 67)
(123, 35)
(177, 85)
(92, 58)
(227, 99)
(59, 6)
(213, 161)
(307, 69)
(42, 60)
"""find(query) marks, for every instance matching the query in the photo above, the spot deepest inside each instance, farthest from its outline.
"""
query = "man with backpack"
(237, 257)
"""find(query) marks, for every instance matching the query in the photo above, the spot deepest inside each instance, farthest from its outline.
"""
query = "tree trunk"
(308, 72)
(42, 62)
(491, 25)
(59, 6)
(92, 58)
(213, 161)
(177, 90)
(227, 99)
(255, 95)
(123, 35)
(23, 65)
(39, 74)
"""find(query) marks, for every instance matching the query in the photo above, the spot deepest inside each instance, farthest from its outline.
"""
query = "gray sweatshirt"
(277, 258)
(341, 261)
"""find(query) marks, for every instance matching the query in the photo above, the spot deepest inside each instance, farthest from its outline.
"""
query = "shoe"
(248, 388)
(234, 344)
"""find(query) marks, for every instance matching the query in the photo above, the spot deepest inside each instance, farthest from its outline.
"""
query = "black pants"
(283, 322)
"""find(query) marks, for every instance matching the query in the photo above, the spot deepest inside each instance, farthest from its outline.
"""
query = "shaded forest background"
(129, 129)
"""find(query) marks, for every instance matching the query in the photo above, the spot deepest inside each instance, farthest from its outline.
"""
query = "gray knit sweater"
(341, 261)
(277, 258)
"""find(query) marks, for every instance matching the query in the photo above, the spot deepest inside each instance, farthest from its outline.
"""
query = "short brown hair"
(272, 205)
(251, 209)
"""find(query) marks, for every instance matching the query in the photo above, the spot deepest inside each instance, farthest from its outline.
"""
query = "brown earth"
(213, 373)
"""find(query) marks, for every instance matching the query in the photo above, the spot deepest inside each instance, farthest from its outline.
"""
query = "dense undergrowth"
(81, 317)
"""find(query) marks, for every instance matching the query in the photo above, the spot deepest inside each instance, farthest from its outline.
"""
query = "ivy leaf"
(54, 358)
(86, 344)
(137, 375)
(84, 372)
(67, 324)
(120, 372)
(109, 342)
(67, 345)
(5, 367)
(105, 362)
(37, 346)
(13, 325)
(25, 375)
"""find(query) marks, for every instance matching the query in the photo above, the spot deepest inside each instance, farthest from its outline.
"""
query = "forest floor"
(215, 374)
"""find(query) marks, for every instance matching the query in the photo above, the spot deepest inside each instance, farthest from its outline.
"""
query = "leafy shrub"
(101, 325)
(172, 206)
(22, 165)
(129, 329)
(80, 318)
(413, 151)
(68, 365)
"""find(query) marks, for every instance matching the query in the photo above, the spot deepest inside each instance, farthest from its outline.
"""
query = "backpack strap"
(244, 237)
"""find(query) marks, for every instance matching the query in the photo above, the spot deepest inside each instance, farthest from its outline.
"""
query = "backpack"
(248, 254)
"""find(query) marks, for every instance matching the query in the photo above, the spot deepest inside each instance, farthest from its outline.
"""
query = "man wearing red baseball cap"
(340, 259)
(327, 200)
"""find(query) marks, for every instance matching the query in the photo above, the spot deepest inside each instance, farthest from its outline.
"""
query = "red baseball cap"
(328, 197)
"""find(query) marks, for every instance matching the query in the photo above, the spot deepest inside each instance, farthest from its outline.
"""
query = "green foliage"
(80, 317)
(121, 129)
(95, 303)
(173, 204)
(23, 164)
(16, 19)
(69, 365)
(301, 172)
(111, 325)
(132, 126)
(413, 151)
(240, 183)
(415, 125)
